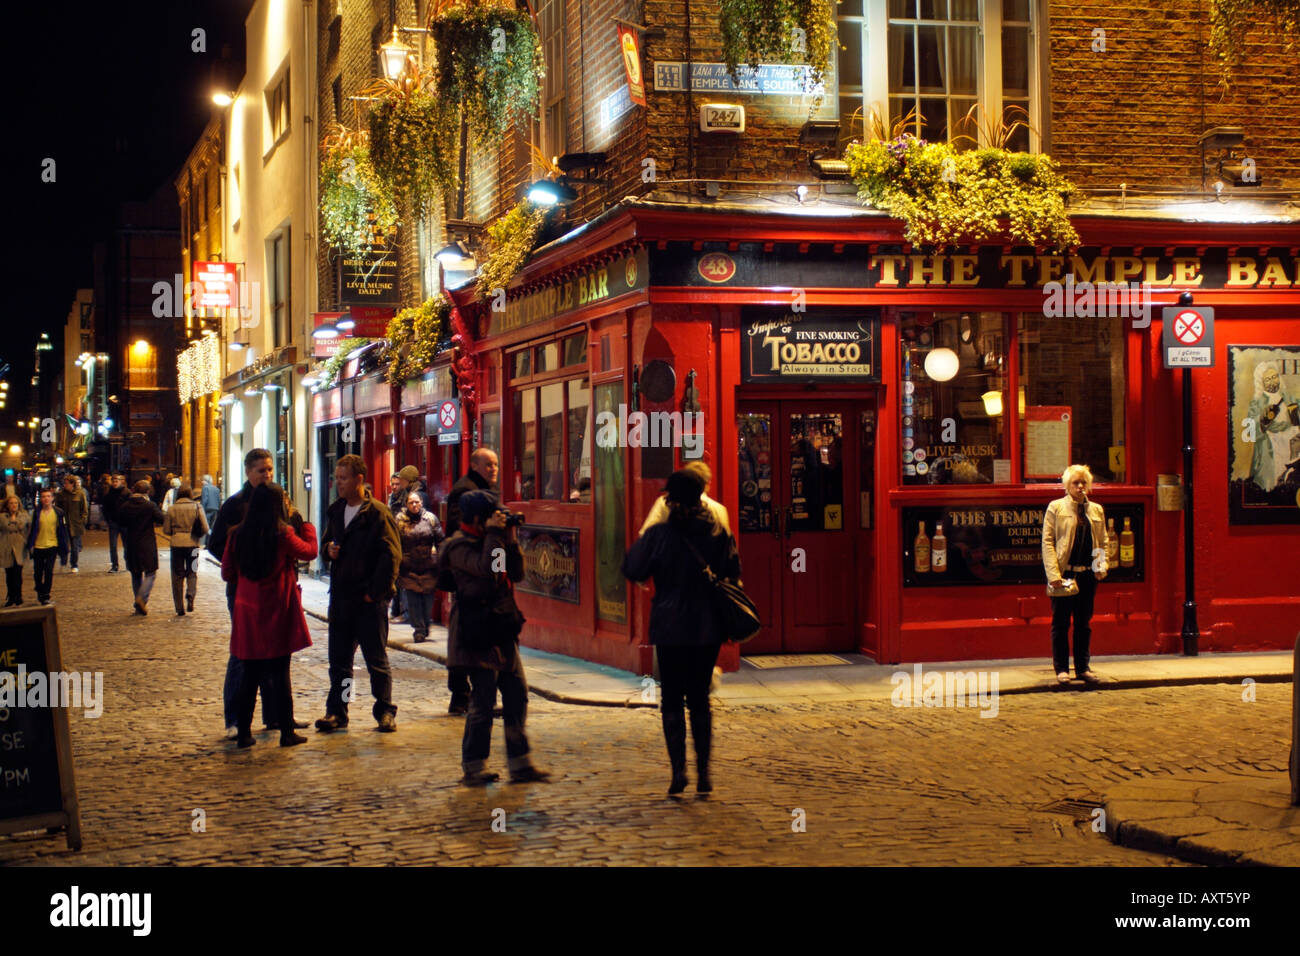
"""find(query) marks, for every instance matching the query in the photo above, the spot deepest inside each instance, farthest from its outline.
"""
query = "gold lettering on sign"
(1125, 268)
(1152, 269)
(1187, 272)
(1274, 274)
(963, 270)
(927, 275)
(1049, 269)
(1018, 266)
(888, 266)
(1095, 273)
(1241, 271)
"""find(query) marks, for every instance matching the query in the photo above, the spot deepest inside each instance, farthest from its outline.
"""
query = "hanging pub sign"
(627, 42)
(1003, 544)
(813, 345)
(218, 285)
(369, 279)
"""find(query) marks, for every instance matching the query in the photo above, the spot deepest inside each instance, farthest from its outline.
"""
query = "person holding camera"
(1074, 547)
(482, 475)
(483, 636)
(364, 551)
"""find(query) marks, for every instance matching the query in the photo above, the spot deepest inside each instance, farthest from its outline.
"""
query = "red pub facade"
(886, 428)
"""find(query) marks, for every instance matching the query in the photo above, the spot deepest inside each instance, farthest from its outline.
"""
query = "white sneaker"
(76, 570)
(232, 732)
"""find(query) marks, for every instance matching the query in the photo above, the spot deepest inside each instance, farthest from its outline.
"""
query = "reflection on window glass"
(520, 364)
(575, 350)
(548, 357)
(1072, 396)
(525, 439)
(816, 473)
(754, 447)
(550, 476)
(953, 388)
(492, 431)
(579, 441)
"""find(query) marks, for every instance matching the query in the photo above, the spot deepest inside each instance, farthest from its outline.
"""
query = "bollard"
(1295, 725)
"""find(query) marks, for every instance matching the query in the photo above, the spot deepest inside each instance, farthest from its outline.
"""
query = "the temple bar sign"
(781, 345)
(592, 285)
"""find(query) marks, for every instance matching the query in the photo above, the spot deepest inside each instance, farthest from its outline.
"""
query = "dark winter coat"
(113, 499)
(74, 505)
(267, 621)
(137, 516)
(13, 538)
(682, 612)
(60, 530)
(470, 558)
(230, 514)
(420, 537)
(369, 551)
(470, 481)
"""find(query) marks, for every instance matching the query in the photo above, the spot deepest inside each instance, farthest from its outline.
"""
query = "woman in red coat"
(267, 623)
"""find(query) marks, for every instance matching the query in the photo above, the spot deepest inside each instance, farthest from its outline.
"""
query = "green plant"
(489, 63)
(414, 337)
(329, 371)
(946, 196)
(356, 204)
(413, 134)
(511, 239)
(1231, 20)
(783, 30)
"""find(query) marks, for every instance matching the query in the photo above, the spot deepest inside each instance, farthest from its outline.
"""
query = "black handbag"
(196, 529)
(484, 625)
(735, 614)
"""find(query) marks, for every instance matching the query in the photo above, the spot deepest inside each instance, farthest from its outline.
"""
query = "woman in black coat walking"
(137, 516)
(682, 626)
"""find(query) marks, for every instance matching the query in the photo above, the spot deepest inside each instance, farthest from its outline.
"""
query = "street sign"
(1188, 339)
(445, 422)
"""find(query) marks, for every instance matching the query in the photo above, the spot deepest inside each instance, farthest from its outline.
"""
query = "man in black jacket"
(113, 499)
(258, 468)
(363, 549)
(482, 475)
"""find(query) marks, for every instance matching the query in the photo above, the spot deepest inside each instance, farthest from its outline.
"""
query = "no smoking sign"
(1188, 339)
(446, 420)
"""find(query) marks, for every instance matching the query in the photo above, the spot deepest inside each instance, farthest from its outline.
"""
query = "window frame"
(530, 387)
(875, 65)
(279, 287)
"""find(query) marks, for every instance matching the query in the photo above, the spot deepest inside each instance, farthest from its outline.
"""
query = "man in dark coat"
(482, 475)
(258, 468)
(472, 556)
(138, 515)
(113, 498)
(364, 551)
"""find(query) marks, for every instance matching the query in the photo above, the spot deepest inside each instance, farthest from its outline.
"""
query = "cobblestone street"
(879, 784)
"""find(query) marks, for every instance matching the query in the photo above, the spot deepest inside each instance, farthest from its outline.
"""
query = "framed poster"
(1047, 440)
(1263, 434)
(550, 562)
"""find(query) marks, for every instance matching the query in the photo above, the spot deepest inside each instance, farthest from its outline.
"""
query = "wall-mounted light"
(252, 391)
(453, 253)
(394, 55)
(548, 192)
(223, 98)
(328, 330)
(345, 322)
(992, 403)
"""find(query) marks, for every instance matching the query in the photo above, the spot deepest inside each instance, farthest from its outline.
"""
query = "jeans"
(114, 532)
(184, 572)
(142, 585)
(458, 684)
(235, 676)
(477, 741)
(273, 677)
(419, 611)
(354, 622)
(1079, 609)
(74, 549)
(43, 563)
(14, 583)
(685, 673)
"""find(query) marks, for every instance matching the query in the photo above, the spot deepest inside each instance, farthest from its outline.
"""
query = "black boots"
(675, 738)
(702, 734)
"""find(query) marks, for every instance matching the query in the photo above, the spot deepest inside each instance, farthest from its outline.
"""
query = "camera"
(513, 518)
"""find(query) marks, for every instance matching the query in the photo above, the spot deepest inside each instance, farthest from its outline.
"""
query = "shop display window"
(953, 386)
(1072, 396)
(551, 418)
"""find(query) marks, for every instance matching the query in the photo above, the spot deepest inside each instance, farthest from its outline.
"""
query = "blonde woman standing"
(14, 523)
(1074, 549)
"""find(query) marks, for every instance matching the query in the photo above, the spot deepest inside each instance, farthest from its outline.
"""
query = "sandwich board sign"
(37, 789)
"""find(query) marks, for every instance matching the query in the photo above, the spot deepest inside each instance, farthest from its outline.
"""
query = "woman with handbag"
(685, 628)
(267, 624)
(1074, 558)
(185, 527)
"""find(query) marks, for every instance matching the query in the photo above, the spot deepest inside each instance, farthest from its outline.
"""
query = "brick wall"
(1133, 114)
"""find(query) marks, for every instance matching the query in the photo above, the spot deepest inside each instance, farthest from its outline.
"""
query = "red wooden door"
(800, 530)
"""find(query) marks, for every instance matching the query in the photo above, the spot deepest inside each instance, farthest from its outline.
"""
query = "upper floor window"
(555, 124)
(277, 108)
(278, 292)
(935, 60)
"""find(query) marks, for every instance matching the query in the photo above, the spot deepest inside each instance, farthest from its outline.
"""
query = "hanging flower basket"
(782, 31)
(356, 205)
(1231, 20)
(413, 138)
(947, 197)
(511, 240)
(489, 63)
(415, 336)
(329, 372)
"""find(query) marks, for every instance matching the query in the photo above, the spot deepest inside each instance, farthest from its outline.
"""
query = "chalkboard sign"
(37, 790)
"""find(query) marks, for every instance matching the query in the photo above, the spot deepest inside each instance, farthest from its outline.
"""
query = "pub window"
(1072, 396)
(524, 434)
(939, 58)
(548, 357)
(521, 364)
(551, 419)
(575, 350)
(954, 368)
(579, 409)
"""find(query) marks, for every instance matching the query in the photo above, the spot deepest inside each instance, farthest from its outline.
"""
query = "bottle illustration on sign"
(921, 550)
(1127, 552)
(1112, 544)
(939, 550)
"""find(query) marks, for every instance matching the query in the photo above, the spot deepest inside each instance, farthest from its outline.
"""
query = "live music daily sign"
(37, 789)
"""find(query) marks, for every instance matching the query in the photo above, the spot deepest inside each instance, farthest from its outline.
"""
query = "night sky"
(114, 93)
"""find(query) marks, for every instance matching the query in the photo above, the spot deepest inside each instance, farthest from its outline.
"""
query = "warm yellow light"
(992, 403)
(15, 449)
(222, 99)
(140, 348)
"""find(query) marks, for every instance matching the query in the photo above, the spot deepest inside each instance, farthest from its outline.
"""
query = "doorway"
(806, 503)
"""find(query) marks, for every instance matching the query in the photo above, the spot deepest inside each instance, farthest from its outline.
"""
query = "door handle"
(776, 521)
(789, 518)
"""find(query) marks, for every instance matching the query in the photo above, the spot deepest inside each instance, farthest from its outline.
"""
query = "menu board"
(1047, 440)
(1003, 544)
(36, 784)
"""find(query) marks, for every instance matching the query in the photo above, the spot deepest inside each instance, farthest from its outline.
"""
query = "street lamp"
(394, 54)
